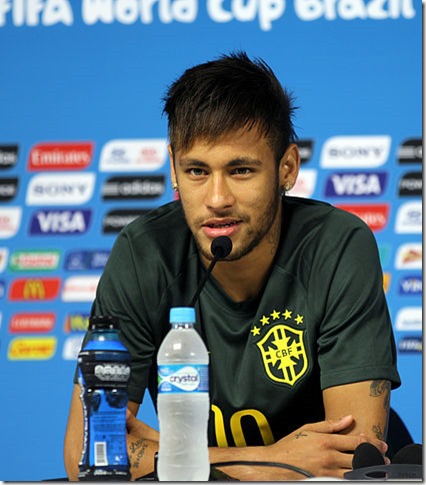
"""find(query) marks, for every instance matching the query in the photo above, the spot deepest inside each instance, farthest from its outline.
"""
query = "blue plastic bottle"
(104, 370)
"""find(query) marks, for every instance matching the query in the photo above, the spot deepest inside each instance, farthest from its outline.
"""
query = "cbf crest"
(282, 347)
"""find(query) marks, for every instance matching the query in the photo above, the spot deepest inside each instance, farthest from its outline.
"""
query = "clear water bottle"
(183, 401)
(103, 373)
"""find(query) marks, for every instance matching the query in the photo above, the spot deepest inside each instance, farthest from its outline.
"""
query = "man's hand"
(318, 448)
(142, 444)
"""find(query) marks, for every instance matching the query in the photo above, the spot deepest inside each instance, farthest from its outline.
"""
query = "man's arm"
(367, 401)
(142, 440)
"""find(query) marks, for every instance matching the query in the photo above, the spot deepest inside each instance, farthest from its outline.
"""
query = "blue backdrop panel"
(82, 152)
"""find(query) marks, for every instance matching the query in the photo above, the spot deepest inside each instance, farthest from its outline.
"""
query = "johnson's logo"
(60, 222)
(376, 216)
(60, 156)
(34, 289)
(344, 184)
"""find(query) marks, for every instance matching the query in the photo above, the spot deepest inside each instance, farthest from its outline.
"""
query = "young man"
(302, 355)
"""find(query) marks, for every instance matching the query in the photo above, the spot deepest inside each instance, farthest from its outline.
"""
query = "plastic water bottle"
(104, 370)
(183, 401)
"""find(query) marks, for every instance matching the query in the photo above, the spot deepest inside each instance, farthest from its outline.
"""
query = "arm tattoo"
(380, 387)
(378, 432)
(137, 451)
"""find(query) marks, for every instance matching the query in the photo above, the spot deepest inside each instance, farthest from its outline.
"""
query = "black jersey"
(320, 321)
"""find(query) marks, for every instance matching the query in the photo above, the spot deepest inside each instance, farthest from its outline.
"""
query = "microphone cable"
(296, 469)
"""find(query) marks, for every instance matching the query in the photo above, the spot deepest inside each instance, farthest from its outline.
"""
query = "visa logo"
(60, 222)
(410, 285)
(356, 184)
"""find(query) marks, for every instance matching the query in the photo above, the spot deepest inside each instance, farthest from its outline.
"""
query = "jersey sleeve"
(119, 293)
(355, 336)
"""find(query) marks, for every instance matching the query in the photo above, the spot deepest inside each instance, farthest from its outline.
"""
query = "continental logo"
(34, 260)
(32, 348)
(281, 346)
(376, 216)
(34, 289)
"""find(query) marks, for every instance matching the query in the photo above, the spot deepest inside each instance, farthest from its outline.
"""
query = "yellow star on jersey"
(264, 320)
(287, 314)
(255, 331)
(275, 315)
(299, 319)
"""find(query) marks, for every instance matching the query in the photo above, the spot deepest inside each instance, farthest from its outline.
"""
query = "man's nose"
(219, 194)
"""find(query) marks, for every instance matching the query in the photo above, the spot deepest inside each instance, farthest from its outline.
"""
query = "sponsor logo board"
(37, 260)
(56, 222)
(376, 216)
(32, 348)
(60, 156)
(34, 289)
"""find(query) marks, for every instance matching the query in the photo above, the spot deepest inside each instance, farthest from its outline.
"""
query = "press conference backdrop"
(83, 152)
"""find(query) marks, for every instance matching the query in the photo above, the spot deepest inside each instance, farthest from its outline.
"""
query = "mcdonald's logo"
(34, 289)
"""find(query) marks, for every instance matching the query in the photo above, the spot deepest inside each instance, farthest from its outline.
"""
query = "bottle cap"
(182, 315)
(103, 321)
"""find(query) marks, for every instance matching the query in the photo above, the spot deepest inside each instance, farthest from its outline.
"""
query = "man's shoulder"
(312, 212)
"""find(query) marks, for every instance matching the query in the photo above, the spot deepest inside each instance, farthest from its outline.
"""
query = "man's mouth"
(218, 225)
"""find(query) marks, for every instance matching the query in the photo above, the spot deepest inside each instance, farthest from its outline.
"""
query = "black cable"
(264, 463)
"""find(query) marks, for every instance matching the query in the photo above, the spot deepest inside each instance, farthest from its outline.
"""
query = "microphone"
(412, 454)
(368, 464)
(220, 248)
(366, 455)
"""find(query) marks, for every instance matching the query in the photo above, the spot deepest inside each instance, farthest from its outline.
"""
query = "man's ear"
(289, 167)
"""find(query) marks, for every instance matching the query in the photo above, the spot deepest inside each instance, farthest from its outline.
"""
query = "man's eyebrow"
(236, 162)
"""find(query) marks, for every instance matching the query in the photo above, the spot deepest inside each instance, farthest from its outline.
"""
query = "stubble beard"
(254, 235)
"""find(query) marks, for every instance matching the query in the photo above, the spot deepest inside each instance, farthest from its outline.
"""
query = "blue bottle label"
(178, 378)
(107, 429)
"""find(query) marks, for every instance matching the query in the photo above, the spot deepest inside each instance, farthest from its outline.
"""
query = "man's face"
(230, 188)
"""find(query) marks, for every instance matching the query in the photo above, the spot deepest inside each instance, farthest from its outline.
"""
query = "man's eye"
(242, 171)
(196, 172)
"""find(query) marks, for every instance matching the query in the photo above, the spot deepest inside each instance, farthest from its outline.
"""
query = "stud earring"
(287, 186)
(175, 186)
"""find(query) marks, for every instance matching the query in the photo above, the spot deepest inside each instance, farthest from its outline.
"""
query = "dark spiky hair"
(227, 94)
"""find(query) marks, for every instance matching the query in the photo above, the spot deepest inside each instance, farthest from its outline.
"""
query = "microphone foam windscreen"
(221, 247)
(366, 455)
(409, 455)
